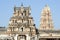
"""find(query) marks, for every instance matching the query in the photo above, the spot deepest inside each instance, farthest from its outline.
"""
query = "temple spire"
(46, 19)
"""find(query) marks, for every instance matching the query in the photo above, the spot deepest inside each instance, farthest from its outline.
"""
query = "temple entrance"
(21, 37)
(49, 39)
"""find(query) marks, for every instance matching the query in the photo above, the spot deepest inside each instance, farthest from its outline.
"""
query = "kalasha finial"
(46, 5)
(22, 4)
(14, 7)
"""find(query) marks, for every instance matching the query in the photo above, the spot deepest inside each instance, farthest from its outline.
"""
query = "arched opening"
(22, 29)
(21, 37)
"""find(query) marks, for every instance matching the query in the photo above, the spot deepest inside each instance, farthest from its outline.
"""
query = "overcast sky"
(7, 6)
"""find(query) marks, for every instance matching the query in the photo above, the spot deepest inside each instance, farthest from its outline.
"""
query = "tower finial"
(46, 5)
(22, 4)
(14, 7)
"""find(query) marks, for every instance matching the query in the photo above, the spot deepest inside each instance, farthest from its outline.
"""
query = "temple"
(46, 22)
(22, 27)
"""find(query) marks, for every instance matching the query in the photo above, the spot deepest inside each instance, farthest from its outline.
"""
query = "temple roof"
(3, 29)
(50, 31)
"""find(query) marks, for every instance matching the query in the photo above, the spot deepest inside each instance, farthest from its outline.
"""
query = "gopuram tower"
(21, 23)
(46, 22)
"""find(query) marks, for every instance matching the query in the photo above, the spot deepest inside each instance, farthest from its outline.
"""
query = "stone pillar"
(36, 37)
(15, 37)
(27, 37)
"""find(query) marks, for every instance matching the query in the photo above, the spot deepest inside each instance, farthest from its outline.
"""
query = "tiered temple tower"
(46, 19)
(21, 22)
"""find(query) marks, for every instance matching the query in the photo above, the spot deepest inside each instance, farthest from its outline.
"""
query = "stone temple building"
(21, 26)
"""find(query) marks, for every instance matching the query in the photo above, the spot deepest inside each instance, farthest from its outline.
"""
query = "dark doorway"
(47, 39)
(59, 38)
(50, 39)
(21, 37)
